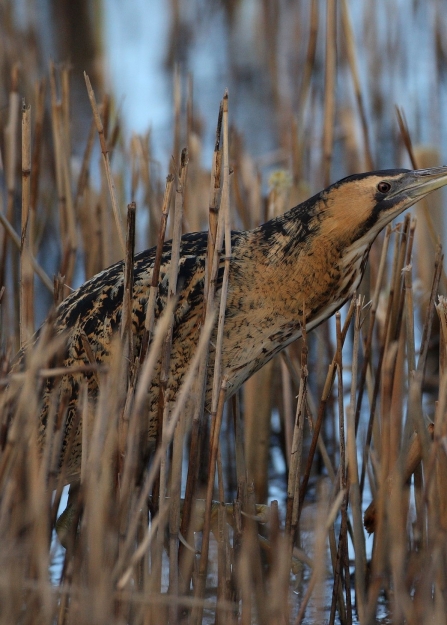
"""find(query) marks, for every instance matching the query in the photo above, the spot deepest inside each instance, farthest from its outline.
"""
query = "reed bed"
(358, 428)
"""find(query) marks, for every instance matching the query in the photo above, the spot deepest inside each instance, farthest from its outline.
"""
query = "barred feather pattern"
(300, 266)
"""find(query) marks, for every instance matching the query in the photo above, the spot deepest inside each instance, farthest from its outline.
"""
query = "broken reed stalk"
(164, 408)
(150, 310)
(219, 383)
(106, 161)
(177, 455)
(215, 238)
(198, 429)
(126, 333)
(26, 271)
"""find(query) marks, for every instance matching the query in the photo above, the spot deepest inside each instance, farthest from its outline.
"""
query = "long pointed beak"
(418, 183)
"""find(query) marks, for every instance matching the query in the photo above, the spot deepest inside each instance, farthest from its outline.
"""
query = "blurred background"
(271, 56)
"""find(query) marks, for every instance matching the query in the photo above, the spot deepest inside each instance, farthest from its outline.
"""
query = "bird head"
(362, 204)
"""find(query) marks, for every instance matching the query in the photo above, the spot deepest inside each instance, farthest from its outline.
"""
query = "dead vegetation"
(358, 406)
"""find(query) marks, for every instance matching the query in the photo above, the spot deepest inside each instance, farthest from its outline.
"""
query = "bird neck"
(306, 260)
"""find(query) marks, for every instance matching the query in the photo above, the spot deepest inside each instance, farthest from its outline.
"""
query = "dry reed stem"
(406, 137)
(409, 460)
(340, 558)
(353, 474)
(321, 409)
(26, 271)
(37, 149)
(163, 406)
(16, 240)
(219, 383)
(423, 351)
(309, 62)
(286, 388)
(61, 138)
(211, 268)
(10, 136)
(106, 161)
(84, 172)
(310, 411)
(352, 60)
(150, 310)
(325, 518)
(200, 579)
(329, 90)
(175, 415)
(225, 207)
(126, 334)
(293, 484)
(391, 312)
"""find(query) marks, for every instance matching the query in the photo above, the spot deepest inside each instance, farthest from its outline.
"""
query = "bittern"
(304, 264)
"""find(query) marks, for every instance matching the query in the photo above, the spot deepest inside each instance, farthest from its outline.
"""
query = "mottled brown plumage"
(307, 262)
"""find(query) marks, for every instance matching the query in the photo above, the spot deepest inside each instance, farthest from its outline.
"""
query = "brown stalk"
(26, 271)
(83, 174)
(341, 559)
(106, 161)
(126, 319)
(406, 137)
(150, 310)
(10, 135)
(63, 180)
(287, 401)
(352, 60)
(218, 383)
(324, 519)
(293, 484)
(310, 59)
(310, 410)
(372, 320)
(329, 89)
(127, 335)
(439, 257)
(223, 548)
(353, 474)
(37, 149)
(392, 312)
(17, 242)
(208, 306)
(161, 450)
(163, 406)
(199, 590)
(225, 205)
(321, 409)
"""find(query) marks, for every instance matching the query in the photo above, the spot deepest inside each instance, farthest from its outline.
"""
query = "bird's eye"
(383, 187)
